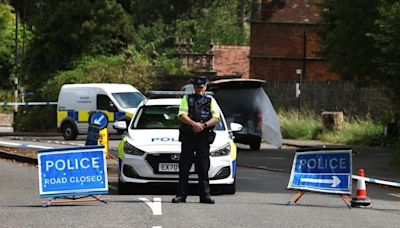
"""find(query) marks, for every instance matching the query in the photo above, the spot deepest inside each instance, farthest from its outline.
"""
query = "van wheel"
(68, 131)
(255, 145)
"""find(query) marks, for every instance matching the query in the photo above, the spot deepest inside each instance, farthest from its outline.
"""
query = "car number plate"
(171, 167)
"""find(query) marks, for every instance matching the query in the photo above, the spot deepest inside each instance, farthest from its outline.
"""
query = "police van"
(76, 102)
(150, 150)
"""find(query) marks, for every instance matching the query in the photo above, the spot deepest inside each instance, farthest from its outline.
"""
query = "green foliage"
(344, 37)
(170, 66)
(387, 38)
(219, 25)
(7, 33)
(6, 95)
(357, 132)
(128, 69)
(158, 23)
(308, 126)
(35, 118)
(295, 125)
(134, 70)
(64, 31)
(80, 41)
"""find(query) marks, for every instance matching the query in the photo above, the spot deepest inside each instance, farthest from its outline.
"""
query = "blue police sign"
(100, 119)
(72, 171)
(322, 171)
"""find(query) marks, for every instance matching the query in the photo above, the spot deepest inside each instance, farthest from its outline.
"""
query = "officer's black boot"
(206, 199)
(179, 199)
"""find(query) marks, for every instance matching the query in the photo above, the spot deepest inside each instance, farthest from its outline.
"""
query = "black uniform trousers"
(194, 142)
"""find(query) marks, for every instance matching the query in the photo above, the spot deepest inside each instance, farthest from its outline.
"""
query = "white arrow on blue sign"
(100, 119)
(322, 171)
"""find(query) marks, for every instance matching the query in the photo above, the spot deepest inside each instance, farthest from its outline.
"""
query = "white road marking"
(154, 205)
(23, 145)
(394, 194)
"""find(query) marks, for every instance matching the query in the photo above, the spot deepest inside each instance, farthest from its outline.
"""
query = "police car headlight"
(226, 150)
(129, 149)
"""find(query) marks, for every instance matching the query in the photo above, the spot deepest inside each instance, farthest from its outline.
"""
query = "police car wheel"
(68, 131)
(230, 188)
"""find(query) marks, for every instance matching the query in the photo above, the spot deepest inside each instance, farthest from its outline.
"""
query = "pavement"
(374, 160)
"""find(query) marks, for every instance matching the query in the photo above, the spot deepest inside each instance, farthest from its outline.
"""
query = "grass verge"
(306, 125)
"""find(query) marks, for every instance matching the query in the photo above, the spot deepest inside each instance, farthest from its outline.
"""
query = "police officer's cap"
(199, 81)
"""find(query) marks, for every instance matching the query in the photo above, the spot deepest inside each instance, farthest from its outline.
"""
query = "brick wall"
(289, 11)
(280, 69)
(231, 60)
(277, 42)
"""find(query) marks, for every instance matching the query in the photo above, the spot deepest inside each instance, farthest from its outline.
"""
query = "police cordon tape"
(376, 181)
(28, 103)
(367, 179)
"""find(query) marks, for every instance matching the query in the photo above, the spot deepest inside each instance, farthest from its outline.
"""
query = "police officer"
(198, 114)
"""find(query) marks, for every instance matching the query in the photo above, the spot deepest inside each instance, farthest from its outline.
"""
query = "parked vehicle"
(150, 151)
(244, 101)
(76, 102)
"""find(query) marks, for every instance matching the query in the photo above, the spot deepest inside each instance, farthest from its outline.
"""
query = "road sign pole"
(100, 119)
(103, 140)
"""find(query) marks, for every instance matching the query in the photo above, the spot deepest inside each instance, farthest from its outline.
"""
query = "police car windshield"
(128, 99)
(160, 117)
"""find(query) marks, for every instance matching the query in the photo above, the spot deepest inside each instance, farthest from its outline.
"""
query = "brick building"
(278, 31)
(231, 60)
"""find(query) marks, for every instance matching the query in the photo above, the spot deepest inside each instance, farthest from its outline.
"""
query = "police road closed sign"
(72, 171)
(326, 171)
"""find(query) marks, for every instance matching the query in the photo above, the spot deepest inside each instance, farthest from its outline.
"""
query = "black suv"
(239, 100)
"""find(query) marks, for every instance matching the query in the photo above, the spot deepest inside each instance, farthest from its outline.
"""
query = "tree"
(158, 23)
(64, 31)
(7, 33)
(387, 38)
(345, 37)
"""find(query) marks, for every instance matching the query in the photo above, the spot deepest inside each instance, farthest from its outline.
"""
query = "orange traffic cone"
(361, 199)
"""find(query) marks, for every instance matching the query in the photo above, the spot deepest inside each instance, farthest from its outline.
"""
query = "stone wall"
(6, 120)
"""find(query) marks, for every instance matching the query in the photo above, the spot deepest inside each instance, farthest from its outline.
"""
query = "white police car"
(149, 152)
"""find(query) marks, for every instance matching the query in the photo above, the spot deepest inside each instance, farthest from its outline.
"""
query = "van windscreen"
(128, 99)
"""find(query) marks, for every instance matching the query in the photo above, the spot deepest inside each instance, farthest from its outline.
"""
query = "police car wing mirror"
(120, 125)
(236, 127)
